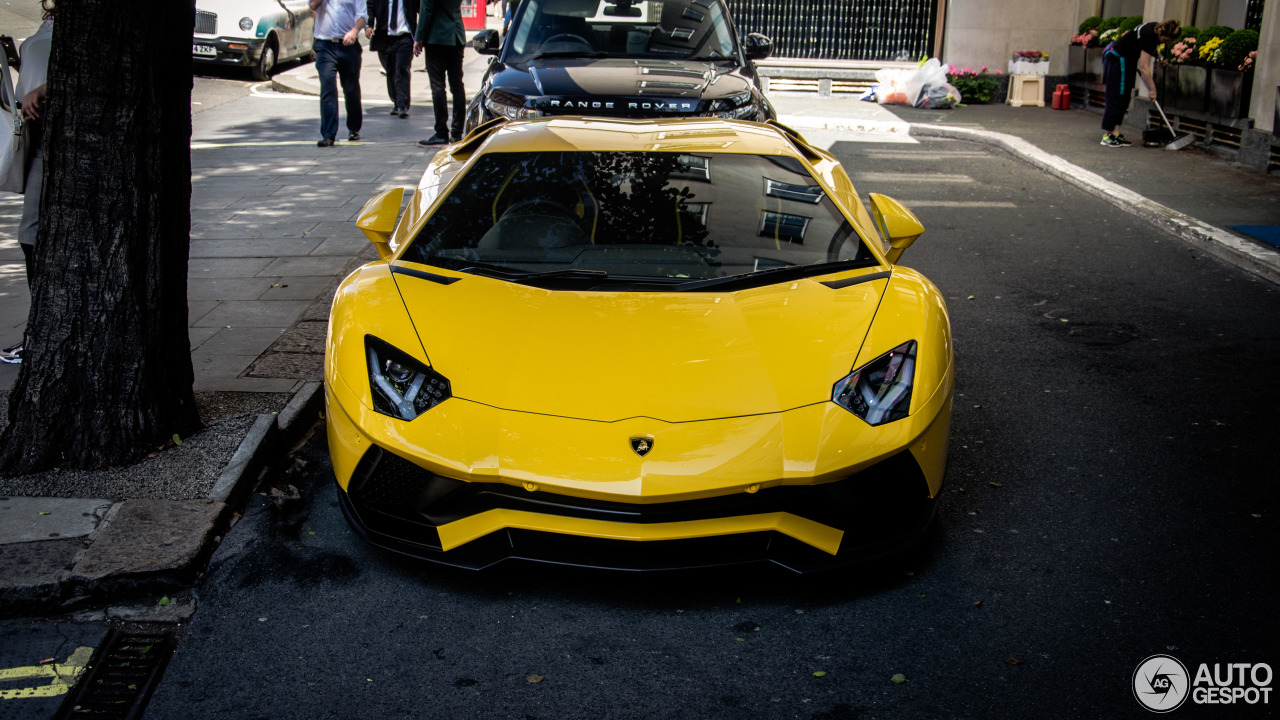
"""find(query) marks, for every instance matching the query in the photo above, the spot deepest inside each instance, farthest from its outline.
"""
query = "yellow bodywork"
(733, 388)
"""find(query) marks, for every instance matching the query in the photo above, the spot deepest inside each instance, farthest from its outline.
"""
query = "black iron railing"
(842, 29)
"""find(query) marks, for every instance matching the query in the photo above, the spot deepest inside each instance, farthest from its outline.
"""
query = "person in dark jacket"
(441, 36)
(1130, 55)
(390, 29)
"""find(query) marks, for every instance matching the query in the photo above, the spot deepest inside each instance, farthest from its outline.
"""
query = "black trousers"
(1119, 75)
(397, 60)
(444, 63)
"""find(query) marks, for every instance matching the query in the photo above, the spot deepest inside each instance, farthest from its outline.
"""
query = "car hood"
(609, 356)
(552, 83)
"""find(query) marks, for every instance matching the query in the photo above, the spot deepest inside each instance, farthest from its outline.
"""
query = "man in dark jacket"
(441, 35)
(391, 26)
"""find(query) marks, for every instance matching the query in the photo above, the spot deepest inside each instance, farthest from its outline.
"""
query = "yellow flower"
(1207, 50)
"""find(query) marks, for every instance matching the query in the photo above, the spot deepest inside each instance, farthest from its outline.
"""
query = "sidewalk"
(268, 248)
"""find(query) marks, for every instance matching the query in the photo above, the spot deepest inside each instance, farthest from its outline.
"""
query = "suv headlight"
(509, 105)
(880, 391)
(402, 387)
(735, 107)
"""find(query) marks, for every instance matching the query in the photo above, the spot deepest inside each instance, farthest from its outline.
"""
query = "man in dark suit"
(391, 25)
(441, 35)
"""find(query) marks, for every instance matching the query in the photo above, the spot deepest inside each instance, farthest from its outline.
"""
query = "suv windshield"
(669, 29)
(660, 218)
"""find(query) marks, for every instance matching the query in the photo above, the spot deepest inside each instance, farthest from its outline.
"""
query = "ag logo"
(1160, 683)
(642, 445)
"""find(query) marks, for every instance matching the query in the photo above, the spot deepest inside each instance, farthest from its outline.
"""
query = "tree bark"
(106, 373)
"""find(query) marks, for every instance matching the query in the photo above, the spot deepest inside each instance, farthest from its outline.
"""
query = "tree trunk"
(106, 373)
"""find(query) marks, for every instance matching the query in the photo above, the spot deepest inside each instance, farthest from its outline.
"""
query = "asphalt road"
(1110, 496)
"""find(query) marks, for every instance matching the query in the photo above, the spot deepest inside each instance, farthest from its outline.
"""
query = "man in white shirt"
(337, 48)
(390, 30)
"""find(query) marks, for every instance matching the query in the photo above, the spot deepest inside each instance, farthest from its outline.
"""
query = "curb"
(109, 564)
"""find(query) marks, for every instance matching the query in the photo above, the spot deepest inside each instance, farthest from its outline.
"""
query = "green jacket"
(440, 23)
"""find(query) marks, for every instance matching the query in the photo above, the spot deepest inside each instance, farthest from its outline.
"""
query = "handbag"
(15, 135)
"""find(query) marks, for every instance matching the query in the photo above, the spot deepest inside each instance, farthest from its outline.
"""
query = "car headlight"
(246, 24)
(510, 106)
(735, 107)
(402, 387)
(880, 391)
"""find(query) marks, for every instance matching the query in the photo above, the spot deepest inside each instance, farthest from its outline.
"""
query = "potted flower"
(1080, 43)
(1231, 79)
(975, 86)
(1186, 75)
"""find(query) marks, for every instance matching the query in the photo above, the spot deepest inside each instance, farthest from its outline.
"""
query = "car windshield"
(667, 29)
(648, 218)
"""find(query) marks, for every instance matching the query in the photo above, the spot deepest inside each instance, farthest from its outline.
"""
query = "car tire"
(266, 61)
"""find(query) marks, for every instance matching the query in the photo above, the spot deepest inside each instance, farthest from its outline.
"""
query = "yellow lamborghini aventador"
(638, 344)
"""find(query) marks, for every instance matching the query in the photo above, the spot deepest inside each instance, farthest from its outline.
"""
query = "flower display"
(1184, 51)
(1089, 38)
(1032, 55)
(975, 86)
(1249, 61)
(1208, 52)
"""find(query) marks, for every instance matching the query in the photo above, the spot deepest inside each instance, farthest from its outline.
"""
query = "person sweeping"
(1125, 57)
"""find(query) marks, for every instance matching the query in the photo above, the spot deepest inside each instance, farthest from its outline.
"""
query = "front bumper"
(394, 504)
(227, 51)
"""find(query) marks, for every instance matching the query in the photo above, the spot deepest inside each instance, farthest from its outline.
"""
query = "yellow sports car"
(638, 344)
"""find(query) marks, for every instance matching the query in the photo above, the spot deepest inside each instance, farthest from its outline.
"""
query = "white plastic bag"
(908, 87)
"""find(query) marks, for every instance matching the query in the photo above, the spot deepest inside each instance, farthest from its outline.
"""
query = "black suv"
(621, 58)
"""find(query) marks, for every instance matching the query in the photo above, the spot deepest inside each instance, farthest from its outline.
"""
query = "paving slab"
(25, 519)
(301, 288)
(226, 267)
(247, 288)
(148, 538)
(311, 265)
(240, 341)
(252, 247)
(253, 313)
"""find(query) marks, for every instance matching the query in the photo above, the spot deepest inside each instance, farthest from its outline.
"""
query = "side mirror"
(756, 46)
(377, 219)
(898, 225)
(487, 42)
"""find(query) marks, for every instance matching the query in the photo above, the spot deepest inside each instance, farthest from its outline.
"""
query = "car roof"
(692, 135)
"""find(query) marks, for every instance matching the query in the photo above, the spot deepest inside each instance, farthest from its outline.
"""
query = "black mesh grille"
(206, 23)
(398, 505)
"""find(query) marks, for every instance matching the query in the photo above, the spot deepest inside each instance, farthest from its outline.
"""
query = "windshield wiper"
(771, 275)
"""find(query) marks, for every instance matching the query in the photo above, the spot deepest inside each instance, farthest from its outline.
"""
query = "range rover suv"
(621, 58)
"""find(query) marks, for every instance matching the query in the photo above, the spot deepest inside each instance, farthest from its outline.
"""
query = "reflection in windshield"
(658, 215)
(668, 29)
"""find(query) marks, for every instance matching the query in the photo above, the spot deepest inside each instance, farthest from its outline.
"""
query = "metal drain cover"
(121, 676)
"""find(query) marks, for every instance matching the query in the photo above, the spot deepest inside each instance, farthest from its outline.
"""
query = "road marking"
(959, 203)
(892, 177)
(63, 676)
(926, 154)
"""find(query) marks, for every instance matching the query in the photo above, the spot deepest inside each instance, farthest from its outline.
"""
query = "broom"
(1178, 142)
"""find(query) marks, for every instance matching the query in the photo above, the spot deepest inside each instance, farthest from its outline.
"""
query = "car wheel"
(267, 61)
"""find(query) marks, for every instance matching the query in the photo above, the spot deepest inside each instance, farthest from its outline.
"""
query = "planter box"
(1167, 84)
(1028, 67)
(1075, 62)
(1192, 82)
(1093, 65)
(1229, 92)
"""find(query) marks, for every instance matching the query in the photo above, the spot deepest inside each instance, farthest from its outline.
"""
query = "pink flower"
(966, 71)
(984, 68)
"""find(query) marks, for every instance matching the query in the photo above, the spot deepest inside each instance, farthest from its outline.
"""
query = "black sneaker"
(12, 356)
(1109, 140)
(404, 112)
(354, 137)
(433, 141)
(395, 111)
(1121, 139)
(325, 142)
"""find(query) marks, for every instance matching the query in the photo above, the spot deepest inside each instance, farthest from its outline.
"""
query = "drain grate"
(121, 677)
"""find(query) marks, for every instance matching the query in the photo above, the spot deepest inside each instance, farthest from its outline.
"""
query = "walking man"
(337, 47)
(390, 29)
(441, 35)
